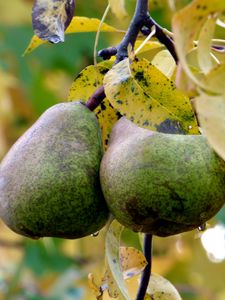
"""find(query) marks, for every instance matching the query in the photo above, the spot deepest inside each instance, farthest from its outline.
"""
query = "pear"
(159, 183)
(49, 180)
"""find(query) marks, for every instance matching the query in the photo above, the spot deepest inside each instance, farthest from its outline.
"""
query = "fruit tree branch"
(138, 20)
(141, 22)
(161, 36)
(147, 271)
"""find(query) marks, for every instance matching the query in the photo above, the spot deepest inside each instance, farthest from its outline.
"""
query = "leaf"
(164, 61)
(149, 46)
(159, 288)
(95, 288)
(50, 18)
(85, 85)
(139, 91)
(132, 261)
(205, 59)
(215, 79)
(112, 251)
(78, 24)
(187, 24)
(211, 114)
(118, 8)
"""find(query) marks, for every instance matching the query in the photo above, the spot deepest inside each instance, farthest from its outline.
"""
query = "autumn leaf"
(84, 85)
(114, 274)
(160, 288)
(118, 8)
(139, 91)
(50, 18)
(78, 24)
(211, 114)
(196, 22)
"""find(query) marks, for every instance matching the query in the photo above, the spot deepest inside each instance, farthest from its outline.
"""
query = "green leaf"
(114, 276)
(44, 256)
(84, 85)
(78, 24)
(139, 91)
(50, 18)
(211, 114)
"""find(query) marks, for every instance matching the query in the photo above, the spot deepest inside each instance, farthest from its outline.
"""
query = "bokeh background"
(57, 269)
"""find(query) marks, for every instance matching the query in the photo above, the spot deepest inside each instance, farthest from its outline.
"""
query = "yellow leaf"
(164, 61)
(118, 8)
(95, 288)
(211, 114)
(205, 59)
(215, 79)
(160, 288)
(84, 85)
(139, 91)
(51, 18)
(78, 24)
(114, 270)
(132, 261)
(149, 46)
(187, 24)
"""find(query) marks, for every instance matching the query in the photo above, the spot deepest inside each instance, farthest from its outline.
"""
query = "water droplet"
(95, 234)
(202, 227)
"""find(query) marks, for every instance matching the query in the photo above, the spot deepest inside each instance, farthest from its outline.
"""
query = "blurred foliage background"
(57, 269)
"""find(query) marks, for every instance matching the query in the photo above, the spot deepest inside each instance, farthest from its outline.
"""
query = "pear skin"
(160, 183)
(49, 180)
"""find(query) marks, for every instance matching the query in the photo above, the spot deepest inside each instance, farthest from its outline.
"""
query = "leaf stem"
(162, 36)
(147, 271)
(96, 98)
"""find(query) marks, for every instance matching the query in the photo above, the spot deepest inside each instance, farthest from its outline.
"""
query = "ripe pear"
(161, 183)
(49, 180)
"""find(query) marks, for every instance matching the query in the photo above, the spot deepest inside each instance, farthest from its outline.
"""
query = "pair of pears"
(56, 182)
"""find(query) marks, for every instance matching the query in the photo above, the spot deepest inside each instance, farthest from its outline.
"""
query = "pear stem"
(147, 249)
(141, 22)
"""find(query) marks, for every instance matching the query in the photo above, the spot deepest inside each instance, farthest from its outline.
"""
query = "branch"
(96, 98)
(139, 19)
(143, 22)
(161, 36)
(147, 271)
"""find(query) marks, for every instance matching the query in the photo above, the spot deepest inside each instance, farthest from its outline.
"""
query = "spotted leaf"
(78, 24)
(139, 91)
(85, 85)
(50, 18)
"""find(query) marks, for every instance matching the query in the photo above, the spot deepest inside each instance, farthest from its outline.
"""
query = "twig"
(143, 22)
(147, 271)
(96, 98)
(162, 37)
(139, 18)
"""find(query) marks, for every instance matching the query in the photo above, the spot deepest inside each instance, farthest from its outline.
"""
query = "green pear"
(160, 183)
(49, 180)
